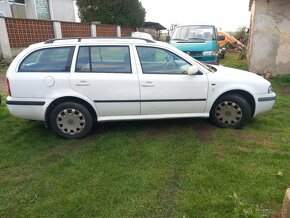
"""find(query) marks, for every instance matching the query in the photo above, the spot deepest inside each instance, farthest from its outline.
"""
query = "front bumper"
(264, 103)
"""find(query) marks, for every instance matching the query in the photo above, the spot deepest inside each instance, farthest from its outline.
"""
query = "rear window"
(48, 60)
(104, 59)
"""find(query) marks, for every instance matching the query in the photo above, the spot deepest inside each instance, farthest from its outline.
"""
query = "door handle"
(148, 84)
(82, 83)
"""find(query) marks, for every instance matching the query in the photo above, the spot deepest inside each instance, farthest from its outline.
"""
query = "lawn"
(234, 60)
(172, 168)
(3, 70)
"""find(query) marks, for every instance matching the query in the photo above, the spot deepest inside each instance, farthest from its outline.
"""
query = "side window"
(104, 59)
(48, 60)
(160, 61)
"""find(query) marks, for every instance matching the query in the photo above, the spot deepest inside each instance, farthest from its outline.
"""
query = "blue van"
(198, 41)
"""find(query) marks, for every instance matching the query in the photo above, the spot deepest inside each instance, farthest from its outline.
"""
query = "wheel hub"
(70, 121)
(228, 113)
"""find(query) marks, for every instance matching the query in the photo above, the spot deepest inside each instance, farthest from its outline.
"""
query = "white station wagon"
(71, 83)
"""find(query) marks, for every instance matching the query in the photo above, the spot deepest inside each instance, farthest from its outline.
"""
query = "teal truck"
(198, 41)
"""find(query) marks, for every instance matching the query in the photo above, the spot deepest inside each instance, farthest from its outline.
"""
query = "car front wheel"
(71, 120)
(231, 111)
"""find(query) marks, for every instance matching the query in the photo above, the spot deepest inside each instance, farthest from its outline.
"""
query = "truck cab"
(198, 41)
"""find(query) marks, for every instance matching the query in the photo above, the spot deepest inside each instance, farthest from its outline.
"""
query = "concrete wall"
(269, 48)
(30, 9)
(5, 8)
(62, 10)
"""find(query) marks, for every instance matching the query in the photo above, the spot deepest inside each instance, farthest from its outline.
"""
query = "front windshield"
(189, 33)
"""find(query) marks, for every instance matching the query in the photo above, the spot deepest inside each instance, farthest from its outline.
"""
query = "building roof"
(250, 4)
(153, 25)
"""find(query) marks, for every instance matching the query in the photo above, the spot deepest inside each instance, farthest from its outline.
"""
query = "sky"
(228, 15)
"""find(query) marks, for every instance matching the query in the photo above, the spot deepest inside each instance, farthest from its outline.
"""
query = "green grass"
(3, 70)
(233, 60)
(172, 168)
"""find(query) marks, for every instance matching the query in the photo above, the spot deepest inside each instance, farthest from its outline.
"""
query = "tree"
(120, 12)
(242, 35)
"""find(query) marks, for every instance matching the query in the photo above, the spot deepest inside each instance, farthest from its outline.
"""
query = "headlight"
(208, 53)
(270, 90)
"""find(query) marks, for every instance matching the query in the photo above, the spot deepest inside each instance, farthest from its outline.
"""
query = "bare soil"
(2, 83)
(285, 90)
(203, 129)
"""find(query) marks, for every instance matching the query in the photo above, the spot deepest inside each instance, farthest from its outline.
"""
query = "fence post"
(5, 49)
(119, 31)
(57, 29)
(93, 30)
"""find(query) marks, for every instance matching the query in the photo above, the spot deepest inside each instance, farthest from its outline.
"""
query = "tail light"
(8, 86)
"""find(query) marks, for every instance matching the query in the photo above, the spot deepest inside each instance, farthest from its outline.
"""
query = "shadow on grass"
(155, 128)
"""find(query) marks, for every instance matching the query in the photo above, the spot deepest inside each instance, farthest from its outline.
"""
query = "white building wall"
(62, 10)
(5, 8)
(30, 9)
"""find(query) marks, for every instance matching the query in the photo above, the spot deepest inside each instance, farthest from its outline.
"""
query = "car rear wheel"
(71, 120)
(231, 111)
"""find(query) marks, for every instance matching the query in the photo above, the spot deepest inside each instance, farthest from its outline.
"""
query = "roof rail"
(80, 39)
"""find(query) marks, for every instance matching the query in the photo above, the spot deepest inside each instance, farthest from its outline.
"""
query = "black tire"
(231, 111)
(71, 120)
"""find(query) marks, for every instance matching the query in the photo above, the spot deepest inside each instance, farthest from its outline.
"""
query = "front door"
(166, 88)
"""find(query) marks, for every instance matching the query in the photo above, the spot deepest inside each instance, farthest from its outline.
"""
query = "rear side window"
(48, 60)
(104, 59)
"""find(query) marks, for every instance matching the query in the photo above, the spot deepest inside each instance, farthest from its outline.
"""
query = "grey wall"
(62, 10)
(269, 48)
(5, 8)
(30, 9)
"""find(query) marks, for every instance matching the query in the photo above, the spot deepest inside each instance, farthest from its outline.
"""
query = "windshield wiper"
(180, 39)
(211, 68)
(195, 38)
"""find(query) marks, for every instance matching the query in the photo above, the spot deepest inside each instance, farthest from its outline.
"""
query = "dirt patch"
(156, 132)
(203, 129)
(65, 150)
(2, 83)
(220, 155)
(276, 214)
(253, 138)
(246, 148)
(284, 90)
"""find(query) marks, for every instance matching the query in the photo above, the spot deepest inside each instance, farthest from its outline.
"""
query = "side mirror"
(193, 70)
(221, 38)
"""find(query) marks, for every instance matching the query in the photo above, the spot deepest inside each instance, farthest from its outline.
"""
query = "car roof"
(112, 40)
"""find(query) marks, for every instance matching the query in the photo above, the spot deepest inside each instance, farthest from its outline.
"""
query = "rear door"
(107, 75)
